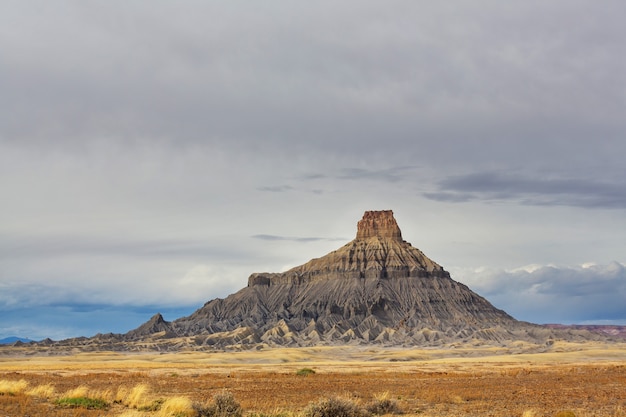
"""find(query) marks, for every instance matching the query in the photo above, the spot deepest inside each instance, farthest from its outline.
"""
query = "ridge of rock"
(156, 324)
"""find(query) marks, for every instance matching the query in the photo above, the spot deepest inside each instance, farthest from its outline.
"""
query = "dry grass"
(176, 407)
(43, 391)
(136, 397)
(79, 391)
(382, 404)
(8, 387)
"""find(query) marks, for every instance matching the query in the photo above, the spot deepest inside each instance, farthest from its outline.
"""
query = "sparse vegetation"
(224, 405)
(138, 397)
(79, 391)
(83, 397)
(155, 405)
(177, 407)
(305, 372)
(43, 391)
(334, 407)
(8, 387)
(501, 386)
(83, 402)
(383, 404)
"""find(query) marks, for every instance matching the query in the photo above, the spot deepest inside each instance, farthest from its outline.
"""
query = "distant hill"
(12, 339)
(603, 329)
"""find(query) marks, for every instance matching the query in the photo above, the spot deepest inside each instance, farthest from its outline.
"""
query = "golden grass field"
(569, 380)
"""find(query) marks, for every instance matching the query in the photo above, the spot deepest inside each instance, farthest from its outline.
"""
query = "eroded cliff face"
(378, 252)
(380, 224)
(375, 289)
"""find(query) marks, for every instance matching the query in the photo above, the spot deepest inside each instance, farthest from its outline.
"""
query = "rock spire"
(378, 224)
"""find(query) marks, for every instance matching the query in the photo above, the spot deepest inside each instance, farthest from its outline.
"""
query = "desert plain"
(567, 379)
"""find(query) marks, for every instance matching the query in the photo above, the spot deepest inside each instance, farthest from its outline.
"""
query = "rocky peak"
(156, 324)
(378, 252)
(157, 319)
(378, 224)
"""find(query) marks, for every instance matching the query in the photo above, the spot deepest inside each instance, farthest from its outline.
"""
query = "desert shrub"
(176, 407)
(566, 413)
(12, 387)
(305, 372)
(334, 407)
(383, 404)
(83, 402)
(224, 405)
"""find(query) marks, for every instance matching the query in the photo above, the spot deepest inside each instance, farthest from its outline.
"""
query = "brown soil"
(445, 390)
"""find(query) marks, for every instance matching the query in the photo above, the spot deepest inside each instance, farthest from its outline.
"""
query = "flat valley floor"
(570, 379)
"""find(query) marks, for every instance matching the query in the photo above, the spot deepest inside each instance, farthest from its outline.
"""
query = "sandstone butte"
(376, 289)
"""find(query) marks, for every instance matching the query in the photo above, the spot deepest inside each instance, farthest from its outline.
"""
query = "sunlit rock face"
(380, 224)
(377, 252)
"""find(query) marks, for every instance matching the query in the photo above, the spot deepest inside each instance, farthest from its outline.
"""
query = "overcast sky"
(154, 154)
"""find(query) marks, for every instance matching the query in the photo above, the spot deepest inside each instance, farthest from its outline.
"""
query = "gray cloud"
(276, 188)
(391, 175)
(554, 294)
(145, 142)
(169, 284)
(296, 239)
(44, 247)
(363, 76)
(394, 174)
(490, 186)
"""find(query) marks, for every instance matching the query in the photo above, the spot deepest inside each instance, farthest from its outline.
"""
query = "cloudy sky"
(154, 154)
